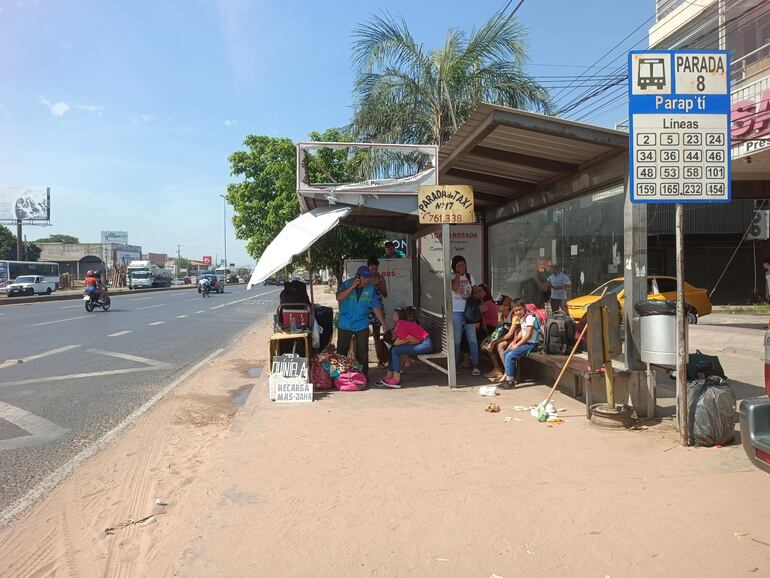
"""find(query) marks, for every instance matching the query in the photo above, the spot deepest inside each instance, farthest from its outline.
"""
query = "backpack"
(541, 322)
(559, 334)
(294, 292)
(472, 311)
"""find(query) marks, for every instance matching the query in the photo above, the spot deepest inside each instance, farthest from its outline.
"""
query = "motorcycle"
(92, 301)
(205, 289)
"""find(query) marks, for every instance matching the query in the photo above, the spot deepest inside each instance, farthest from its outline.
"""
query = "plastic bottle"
(293, 323)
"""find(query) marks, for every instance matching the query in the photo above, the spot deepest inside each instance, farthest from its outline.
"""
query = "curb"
(69, 295)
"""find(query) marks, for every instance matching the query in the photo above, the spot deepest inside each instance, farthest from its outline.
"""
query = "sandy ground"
(414, 482)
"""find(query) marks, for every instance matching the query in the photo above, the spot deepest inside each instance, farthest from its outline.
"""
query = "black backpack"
(559, 334)
(294, 292)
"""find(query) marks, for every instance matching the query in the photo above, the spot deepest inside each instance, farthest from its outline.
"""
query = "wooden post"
(608, 375)
(681, 337)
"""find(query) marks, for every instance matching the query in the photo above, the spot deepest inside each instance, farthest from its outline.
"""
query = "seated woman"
(499, 340)
(408, 339)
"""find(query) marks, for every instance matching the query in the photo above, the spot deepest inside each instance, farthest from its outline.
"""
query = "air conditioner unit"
(760, 226)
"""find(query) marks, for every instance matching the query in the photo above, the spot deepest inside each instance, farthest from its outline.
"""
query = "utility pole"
(178, 258)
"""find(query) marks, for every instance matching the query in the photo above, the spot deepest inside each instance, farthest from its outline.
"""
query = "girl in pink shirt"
(408, 339)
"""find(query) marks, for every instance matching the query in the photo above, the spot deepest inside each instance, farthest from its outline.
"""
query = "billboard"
(115, 237)
(157, 258)
(25, 204)
(207, 260)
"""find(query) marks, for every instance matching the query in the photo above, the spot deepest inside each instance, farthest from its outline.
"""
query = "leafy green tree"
(266, 199)
(59, 239)
(405, 93)
(8, 247)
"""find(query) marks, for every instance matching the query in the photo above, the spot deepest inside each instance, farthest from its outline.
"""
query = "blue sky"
(129, 110)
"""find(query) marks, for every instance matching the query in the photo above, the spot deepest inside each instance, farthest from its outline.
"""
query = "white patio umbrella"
(295, 238)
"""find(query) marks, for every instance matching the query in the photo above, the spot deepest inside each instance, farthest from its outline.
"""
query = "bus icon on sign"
(652, 72)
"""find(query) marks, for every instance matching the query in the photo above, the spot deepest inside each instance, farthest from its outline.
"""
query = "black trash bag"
(294, 292)
(648, 307)
(711, 406)
(324, 316)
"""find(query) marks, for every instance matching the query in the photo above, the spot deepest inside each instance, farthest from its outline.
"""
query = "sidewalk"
(413, 482)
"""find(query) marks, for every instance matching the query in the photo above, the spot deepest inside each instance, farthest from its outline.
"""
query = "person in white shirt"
(559, 284)
(462, 285)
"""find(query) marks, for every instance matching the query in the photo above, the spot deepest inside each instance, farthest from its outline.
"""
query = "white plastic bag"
(316, 335)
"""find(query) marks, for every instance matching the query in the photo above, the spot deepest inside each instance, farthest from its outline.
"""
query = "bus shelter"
(517, 163)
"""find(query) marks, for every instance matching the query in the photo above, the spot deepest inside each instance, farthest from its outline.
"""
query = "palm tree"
(407, 94)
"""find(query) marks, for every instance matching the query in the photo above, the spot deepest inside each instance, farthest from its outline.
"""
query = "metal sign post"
(679, 117)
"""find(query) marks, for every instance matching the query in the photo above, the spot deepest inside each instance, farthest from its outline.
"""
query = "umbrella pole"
(310, 274)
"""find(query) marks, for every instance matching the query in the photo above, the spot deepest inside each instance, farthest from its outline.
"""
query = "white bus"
(9, 270)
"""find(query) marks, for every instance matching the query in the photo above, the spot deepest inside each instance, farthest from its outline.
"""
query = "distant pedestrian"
(559, 284)
(391, 252)
(766, 265)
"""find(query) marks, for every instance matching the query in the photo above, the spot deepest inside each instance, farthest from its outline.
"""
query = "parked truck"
(143, 274)
(29, 285)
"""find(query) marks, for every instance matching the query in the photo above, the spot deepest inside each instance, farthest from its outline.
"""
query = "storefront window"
(584, 236)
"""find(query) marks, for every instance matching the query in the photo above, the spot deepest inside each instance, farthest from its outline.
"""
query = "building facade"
(77, 258)
(717, 233)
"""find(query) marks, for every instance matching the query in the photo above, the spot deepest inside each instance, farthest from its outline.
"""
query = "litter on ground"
(493, 408)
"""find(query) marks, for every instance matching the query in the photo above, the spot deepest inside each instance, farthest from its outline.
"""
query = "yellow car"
(658, 287)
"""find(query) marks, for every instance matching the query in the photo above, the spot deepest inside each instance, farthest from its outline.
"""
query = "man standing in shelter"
(559, 284)
(391, 252)
(357, 297)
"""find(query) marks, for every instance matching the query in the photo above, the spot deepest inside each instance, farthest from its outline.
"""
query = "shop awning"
(296, 238)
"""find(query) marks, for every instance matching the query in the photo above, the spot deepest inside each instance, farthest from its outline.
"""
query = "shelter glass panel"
(584, 236)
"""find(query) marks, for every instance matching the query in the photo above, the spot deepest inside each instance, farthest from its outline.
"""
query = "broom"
(542, 415)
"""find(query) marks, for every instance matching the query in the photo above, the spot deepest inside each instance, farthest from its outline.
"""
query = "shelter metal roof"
(506, 154)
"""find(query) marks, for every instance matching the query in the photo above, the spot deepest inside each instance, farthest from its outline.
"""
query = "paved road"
(85, 373)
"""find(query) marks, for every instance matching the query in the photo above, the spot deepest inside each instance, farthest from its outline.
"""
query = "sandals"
(476, 371)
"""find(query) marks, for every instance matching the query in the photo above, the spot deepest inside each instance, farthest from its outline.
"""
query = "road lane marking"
(156, 323)
(77, 376)
(201, 311)
(41, 431)
(142, 298)
(53, 479)
(38, 355)
(70, 306)
(196, 299)
(150, 306)
(181, 316)
(217, 306)
(61, 320)
(118, 334)
(145, 360)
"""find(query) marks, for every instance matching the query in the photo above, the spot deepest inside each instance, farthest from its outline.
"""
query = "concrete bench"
(577, 382)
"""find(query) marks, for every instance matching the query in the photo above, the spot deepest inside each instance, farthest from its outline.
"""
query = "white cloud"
(141, 118)
(230, 122)
(90, 108)
(186, 129)
(57, 109)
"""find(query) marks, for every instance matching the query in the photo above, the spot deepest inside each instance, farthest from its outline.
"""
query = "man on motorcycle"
(205, 285)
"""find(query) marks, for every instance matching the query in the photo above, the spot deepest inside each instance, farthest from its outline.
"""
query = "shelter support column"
(635, 287)
(451, 363)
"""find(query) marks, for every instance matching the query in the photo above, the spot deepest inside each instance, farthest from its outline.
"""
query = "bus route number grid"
(680, 141)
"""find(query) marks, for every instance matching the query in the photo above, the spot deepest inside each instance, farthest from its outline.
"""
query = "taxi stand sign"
(679, 114)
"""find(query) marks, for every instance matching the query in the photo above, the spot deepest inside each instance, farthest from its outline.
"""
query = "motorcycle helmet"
(89, 273)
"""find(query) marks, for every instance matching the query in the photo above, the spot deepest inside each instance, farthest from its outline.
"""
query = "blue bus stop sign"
(679, 114)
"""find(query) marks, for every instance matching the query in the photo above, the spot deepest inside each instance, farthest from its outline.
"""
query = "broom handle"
(571, 353)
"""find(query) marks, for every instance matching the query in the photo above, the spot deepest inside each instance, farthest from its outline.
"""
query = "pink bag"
(320, 377)
(351, 381)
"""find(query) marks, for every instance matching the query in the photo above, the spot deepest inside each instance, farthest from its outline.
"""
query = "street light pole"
(224, 229)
